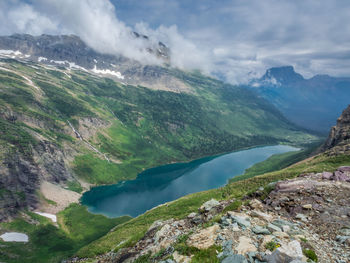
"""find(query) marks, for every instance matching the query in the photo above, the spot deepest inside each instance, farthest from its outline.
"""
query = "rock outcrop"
(338, 141)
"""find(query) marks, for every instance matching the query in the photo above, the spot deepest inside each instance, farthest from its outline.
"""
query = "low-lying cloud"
(96, 23)
(232, 39)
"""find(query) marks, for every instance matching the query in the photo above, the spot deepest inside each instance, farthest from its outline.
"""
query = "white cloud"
(184, 53)
(233, 39)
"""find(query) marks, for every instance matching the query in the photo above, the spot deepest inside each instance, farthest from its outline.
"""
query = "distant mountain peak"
(281, 75)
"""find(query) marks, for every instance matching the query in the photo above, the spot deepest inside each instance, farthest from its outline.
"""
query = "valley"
(74, 129)
(82, 136)
(163, 184)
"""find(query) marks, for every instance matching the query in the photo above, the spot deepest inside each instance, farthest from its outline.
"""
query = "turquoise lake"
(165, 183)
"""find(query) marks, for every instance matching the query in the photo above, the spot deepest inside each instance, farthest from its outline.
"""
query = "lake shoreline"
(159, 185)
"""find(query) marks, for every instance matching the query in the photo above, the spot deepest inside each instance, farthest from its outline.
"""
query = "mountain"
(71, 52)
(65, 126)
(281, 76)
(311, 103)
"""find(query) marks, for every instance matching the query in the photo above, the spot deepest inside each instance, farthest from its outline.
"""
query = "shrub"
(272, 245)
(310, 254)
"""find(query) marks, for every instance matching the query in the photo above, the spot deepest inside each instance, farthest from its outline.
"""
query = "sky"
(235, 40)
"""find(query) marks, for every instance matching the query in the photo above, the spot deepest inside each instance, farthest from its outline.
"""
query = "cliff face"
(338, 141)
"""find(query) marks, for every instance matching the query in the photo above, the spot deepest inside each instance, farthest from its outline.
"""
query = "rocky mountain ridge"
(70, 52)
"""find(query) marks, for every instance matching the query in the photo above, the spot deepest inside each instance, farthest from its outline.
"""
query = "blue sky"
(236, 39)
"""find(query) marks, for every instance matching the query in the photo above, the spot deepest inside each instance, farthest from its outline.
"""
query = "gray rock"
(344, 169)
(241, 221)
(192, 215)
(197, 220)
(235, 259)
(286, 253)
(220, 237)
(302, 217)
(209, 205)
(226, 249)
(342, 239)
(345, 231)
(340, 176)
(273, 228)
(261, 230)
(225, 221)
(327, 175)
(280, 223)
(251, 256)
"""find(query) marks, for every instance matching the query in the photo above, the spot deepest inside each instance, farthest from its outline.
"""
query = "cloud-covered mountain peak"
(282, 75)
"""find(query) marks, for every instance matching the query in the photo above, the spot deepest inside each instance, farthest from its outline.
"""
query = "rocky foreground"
(306, 219)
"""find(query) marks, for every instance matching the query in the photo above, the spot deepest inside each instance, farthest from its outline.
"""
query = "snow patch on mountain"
(42, 59)
(71, 65)
(14, 237)
(47, 215)
(108, 72)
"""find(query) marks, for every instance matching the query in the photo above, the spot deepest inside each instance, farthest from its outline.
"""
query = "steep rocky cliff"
(338, 141)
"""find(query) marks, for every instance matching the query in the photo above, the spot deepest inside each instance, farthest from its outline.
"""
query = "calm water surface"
(166, 183)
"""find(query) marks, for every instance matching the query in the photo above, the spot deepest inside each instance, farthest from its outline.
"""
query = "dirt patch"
(62, 197)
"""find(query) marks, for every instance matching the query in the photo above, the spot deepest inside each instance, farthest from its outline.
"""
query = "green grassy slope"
(47, 243)
(141, 128)
(131, 231)
(145, 127)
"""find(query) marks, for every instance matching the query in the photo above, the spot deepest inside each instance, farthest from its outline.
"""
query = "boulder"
(241, 219)
(342, 239)
(205, 238)
(345, 231)
(225, 221)
(344, 169)
(245, 245)
(286, 253)
(280, 223)
(262, 215)
(162, 233)
(327, 175)
(226, 249)
(273, 228)
(261, 230)
(256, 204)
(209, 205)
(192, 215)
(301, 217)
(235, 259)
(307, 206)
(286, 228)
(340, 176)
